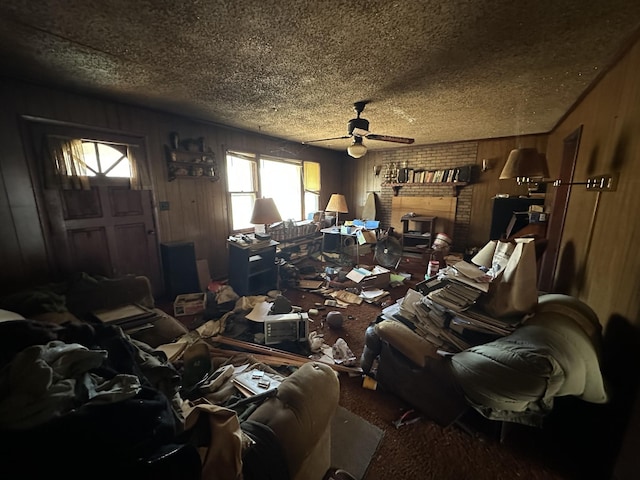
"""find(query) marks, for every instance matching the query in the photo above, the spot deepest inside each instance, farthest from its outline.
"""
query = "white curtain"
(139, 179)
(65, 167)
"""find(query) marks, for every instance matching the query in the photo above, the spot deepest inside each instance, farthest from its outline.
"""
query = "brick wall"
(433, 157)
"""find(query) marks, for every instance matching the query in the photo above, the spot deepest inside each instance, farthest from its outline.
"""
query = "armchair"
(556, 352)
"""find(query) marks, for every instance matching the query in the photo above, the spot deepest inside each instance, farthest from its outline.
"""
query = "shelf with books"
(453, 185)
(454, 177)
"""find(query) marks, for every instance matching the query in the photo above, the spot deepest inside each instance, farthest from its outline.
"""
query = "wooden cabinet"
(252, 268)
(417, 233)
(185, 163)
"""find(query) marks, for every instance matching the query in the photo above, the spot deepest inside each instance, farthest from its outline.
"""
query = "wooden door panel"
(81, 204)
(132, 249)
(125, 202)
(89, 252)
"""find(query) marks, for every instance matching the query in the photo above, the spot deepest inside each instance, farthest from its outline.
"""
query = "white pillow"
(6, 316)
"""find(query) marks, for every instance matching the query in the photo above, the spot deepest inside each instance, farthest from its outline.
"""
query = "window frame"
(257, 159)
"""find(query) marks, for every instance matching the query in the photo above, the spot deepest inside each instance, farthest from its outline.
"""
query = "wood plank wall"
(599, 260)
(198, 208)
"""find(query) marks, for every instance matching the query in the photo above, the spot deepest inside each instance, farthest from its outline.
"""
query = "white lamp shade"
(265, 212)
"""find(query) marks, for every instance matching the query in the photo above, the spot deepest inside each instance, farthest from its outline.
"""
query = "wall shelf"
(185, 163)
(453, 185)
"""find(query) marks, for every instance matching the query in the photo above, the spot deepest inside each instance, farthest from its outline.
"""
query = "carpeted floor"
(424, 450)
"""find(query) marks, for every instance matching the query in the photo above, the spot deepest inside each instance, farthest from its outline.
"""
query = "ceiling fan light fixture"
(357, 148)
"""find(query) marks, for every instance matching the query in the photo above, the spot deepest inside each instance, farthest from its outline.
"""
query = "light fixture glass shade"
(357, 148)
(525, 163)
(337, 203)
(265, 212)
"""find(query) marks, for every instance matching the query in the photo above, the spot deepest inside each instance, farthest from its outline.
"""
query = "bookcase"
(252, 268)
(417, 231)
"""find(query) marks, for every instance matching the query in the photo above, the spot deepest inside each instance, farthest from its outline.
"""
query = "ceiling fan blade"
(389, 138)
(327, 139)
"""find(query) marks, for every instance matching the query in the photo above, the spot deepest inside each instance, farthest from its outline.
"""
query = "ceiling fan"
(358, 128)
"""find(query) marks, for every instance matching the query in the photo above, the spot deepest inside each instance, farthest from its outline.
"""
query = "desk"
(343, 239)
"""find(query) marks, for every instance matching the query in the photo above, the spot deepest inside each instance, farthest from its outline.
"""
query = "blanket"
(555, 353)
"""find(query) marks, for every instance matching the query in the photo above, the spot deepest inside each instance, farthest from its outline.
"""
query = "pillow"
(7, 315)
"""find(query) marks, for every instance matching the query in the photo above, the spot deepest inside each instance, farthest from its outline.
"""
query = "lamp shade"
(265, 212)
(525, 163)
(337, 203)
(357, 148)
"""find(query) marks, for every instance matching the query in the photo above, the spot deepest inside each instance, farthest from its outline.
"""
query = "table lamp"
(265, 212)
(338, 204)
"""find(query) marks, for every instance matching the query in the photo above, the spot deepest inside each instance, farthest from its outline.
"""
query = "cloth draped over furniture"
(556, 352)
(117, 401)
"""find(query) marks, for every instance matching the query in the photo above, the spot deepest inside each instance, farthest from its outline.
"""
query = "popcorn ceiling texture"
(435, 71)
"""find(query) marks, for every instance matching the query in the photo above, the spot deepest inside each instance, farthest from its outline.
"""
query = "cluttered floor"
(413, 446)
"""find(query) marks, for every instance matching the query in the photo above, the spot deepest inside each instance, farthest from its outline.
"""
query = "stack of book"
(443, 311)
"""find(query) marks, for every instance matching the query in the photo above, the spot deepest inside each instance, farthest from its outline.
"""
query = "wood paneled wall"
(599, 260)
(198, 208)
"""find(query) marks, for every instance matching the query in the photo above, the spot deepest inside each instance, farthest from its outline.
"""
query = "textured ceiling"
(436, 71)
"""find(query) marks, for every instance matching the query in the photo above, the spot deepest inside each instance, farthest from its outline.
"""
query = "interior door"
(558, 211)
(108, 230)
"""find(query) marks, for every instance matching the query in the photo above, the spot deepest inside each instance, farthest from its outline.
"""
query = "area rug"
(354, 442)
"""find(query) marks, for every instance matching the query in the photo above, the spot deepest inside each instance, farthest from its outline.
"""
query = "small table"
(343, 237)
(422, 235)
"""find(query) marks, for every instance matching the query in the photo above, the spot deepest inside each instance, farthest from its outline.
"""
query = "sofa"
(83, 396)
(555, 352)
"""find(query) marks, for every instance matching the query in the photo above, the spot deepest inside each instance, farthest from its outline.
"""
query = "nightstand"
(252, 267)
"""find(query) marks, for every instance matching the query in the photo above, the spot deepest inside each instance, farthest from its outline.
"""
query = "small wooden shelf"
(417, 241)
(454, 185)
(183, 163)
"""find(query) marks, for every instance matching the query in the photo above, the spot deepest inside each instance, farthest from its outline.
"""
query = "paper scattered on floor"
(259, 312)
(342, 354)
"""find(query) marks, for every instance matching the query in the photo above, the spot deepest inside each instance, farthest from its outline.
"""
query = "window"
(242, 186)
(105, 160)
(293, 185)
(72, 156)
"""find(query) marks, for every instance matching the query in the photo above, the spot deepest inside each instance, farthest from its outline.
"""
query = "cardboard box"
(366, 236)
(189, 304)
(378, 277)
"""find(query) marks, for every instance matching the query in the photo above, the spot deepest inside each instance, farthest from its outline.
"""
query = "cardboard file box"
(378, 277)
(189, 304)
